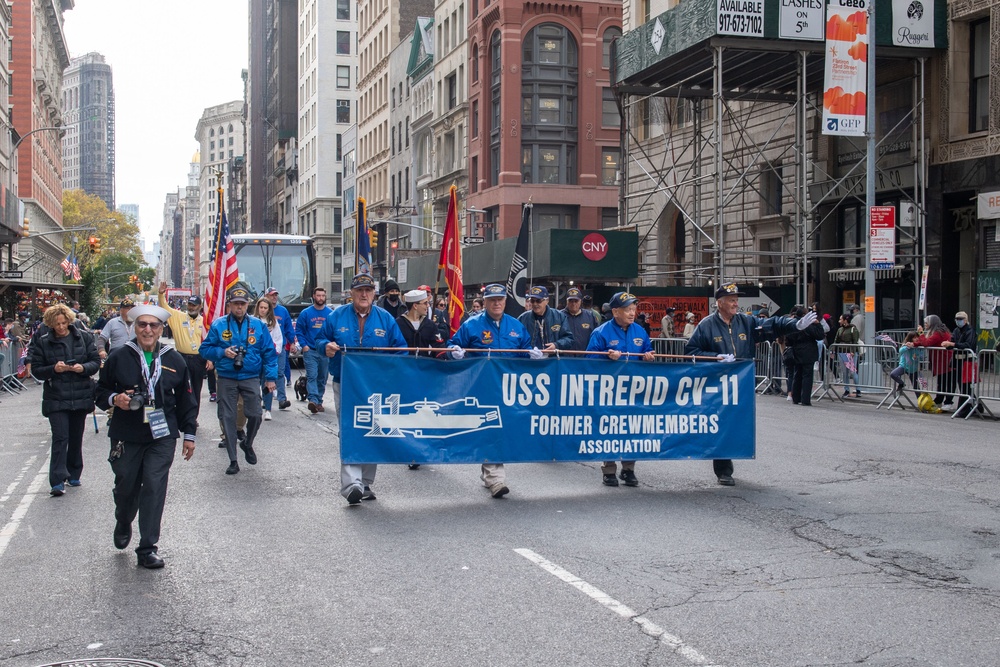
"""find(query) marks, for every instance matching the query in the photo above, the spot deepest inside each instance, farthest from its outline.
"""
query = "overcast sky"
(169, 61)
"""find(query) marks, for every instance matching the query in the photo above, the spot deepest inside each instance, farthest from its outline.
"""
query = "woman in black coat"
(805, 353)
(65, 357)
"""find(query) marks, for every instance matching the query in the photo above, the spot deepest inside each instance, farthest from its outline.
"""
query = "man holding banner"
(357, 325)
(729, 334)
(616, 336)
(498, 331)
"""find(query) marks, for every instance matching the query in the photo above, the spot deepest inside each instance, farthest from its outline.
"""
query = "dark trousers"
(196, 368)
(66, 461)
(722, 467)
(141, 487)
(212, 378)
(802, 384)
(945, 383)
(230, 390)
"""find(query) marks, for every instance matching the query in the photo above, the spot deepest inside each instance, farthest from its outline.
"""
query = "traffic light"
(373, 237)
(95, 245)
(24, 230)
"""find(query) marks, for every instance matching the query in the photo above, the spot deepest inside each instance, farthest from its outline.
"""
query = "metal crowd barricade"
(987, 387)
(897, 335)
(8, 368)
(669, 346)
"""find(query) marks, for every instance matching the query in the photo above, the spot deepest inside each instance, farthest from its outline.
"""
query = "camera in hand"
(137, 400)
(238, 359)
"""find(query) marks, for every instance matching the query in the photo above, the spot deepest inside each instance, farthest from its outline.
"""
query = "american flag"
(76, 270)
(67, 265)
(222, 271)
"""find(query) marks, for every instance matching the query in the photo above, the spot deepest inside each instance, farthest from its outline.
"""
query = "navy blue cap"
(363, 280)
(622, 299)
(494, 290)
(537, 292)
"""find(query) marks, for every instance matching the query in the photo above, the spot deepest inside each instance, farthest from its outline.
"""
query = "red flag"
(222, 272)
(451, 262)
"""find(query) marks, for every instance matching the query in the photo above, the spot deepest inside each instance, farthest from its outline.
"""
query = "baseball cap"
(194, 300)
(363, 280)
(961, 315)
(622, 299)
(494, 290)
(126, 303)
(270, 290)
(537, 292)
(573, 293)
(729, 289)
(239, 294)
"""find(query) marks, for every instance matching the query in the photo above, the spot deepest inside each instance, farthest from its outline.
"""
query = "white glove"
(535, 353)
(726, 358)
(806, 320)
(457, 352)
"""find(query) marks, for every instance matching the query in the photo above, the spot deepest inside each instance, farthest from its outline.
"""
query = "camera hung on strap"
(137, 399)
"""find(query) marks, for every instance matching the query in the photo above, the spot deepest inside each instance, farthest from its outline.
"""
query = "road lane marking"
(7, 532)
(599, 596)
(17, 480)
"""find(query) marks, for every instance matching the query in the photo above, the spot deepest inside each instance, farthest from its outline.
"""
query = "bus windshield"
(284, 267)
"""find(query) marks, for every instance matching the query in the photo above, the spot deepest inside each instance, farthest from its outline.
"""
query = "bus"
(282, 261)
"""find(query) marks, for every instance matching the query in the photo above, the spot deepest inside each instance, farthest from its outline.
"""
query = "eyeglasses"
(534, 300)
(148, 325)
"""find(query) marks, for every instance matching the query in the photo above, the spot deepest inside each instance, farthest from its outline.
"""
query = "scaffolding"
(722, 154)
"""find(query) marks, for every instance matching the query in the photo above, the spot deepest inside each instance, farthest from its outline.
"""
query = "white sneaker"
(788, 398)
(267, 415)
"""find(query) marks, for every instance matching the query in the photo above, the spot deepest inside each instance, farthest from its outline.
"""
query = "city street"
(857, 537)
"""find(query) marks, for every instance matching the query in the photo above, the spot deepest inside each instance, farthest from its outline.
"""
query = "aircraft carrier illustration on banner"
(424, 419)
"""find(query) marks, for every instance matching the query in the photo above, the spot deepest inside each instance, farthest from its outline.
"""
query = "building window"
(770, 190)
(344, 77)
(770, 257)
(211, 145)
(337, 220)
(610, 35)
(340, 147)
(338, 190)
(553, 217)
(392, 141)
(451, 82)
(211, 131)
(475, 63)
(343, 10)
(495, 129)
(230, 127)
(979, 76)
(343, 111)
(610, 158)
(609, 109)
(548, 106)
(343, 43)
(609, 218)
(851, 221)
(475, 118)
(407, 132)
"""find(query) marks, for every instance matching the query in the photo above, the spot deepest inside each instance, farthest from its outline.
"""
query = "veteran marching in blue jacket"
(493, 329)
(547, 326)
(240, 346)
(620, 335)
(729, 334)
(358, 324)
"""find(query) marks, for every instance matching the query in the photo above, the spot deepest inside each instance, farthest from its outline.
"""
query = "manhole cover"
(103, 662)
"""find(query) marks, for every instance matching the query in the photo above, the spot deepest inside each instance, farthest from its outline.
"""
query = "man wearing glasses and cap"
(499, 331)
(729, 334)
(149, 385)
(117, 331)
(357, 325)
(240, 346)
(547, 326)
(288, 336)
(621, 335)
(580, 321)
(188, 329)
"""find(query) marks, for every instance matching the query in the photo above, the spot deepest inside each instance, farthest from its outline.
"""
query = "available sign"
(882, 237)
(743, 18)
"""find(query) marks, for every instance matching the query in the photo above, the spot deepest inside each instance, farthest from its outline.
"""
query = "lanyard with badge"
(155, 417)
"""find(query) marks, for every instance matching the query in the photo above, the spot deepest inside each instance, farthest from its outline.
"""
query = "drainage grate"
(103, 662)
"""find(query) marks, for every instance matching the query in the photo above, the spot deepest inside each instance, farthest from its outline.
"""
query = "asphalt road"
(856, 537)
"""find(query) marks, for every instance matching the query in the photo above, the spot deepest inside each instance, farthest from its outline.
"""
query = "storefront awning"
(857, 274)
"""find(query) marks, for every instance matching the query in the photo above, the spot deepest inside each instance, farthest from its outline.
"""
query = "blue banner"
(403, 409)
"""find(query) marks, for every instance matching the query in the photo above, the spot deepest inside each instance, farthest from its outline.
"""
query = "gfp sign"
(595, 247)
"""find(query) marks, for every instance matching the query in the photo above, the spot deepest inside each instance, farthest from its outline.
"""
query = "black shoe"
(628, 476)
(122, 535)
(150, 561)
(233, 468)
(241, 436)
(222, 444)
(355, 496)
(284, 405)
(368, 494)
(610, 480)
(249, 453)
(413, 466)
(727, 480)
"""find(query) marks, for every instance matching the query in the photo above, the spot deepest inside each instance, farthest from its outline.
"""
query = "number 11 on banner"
(730, 388)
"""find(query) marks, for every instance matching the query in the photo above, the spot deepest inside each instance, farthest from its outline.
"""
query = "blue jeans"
(282, 360)
(317, 373)
(268, 398)
(849, 375)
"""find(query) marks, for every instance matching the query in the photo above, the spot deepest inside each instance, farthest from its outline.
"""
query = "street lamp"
(10, 185)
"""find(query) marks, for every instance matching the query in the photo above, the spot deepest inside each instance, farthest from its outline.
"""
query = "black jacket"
(396, 310)
(122, 372)
(428, 335)
(804, 345)
(65, 391)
